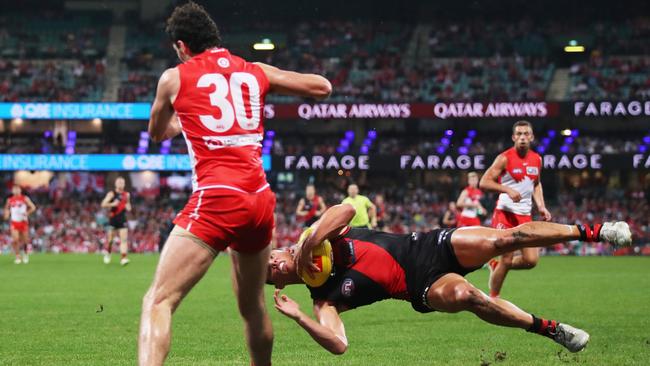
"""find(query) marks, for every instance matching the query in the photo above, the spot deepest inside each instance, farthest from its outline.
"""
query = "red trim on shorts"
(21, 226)
(468, 221)
(225, 218)
(502, 219)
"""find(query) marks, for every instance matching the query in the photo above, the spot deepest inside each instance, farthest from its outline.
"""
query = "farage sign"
(442, 162)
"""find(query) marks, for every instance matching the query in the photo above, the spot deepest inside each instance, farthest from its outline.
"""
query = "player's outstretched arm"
(300, 211)
(490, 180)
(128, 202)
(295, 83)
(31, 207)
(329, 331)
(538, 197)
(6, 211)
(163, 123)
(329, 226)
(106, 202)
(321, 206)
(460, 202)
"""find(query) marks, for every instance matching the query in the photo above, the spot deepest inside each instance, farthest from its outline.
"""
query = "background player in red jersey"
(426, 269)
(119, 203)
(216, 100)
(515, 174)
(469, 202)
(18, 208)
(310, 207)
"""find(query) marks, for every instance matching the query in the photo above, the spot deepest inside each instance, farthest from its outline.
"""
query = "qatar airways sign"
(611, 109)
(491, 110)
(346, 111)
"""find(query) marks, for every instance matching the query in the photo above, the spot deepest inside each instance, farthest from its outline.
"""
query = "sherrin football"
(322, 257)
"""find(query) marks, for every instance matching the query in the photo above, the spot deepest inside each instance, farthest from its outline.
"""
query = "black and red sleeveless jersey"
(311, 206)
(119, 211)
(371, 265)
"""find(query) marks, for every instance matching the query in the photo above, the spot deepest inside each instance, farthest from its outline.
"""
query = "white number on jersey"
(237, 107)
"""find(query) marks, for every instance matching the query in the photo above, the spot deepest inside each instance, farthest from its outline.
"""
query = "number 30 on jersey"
(235, 109)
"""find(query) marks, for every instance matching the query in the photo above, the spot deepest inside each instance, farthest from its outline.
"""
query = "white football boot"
(617, 233)
(573, 339)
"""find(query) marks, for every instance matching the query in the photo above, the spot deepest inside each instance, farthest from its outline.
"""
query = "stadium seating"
(617, 78)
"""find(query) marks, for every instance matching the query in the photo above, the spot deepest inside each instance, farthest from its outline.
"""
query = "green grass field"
(49, 316)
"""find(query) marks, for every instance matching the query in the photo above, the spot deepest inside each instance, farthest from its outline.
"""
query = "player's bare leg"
(183, 262)
(248, 276)
(15, 245)
(474, 246)
(24, 242)
(108, 246)
(527, 260)
(498, 274)
(452, 293)
(124, 245)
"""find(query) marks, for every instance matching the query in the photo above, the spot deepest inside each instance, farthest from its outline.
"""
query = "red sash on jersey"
(314, 208)
(121, 207)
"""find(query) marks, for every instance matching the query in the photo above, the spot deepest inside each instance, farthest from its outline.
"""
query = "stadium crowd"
(366, 61)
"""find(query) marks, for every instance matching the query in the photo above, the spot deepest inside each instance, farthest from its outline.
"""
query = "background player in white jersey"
(515, 174)
(18, 208)
(216, 100)
(119, 203)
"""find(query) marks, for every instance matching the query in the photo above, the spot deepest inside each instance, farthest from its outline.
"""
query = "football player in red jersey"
(18, 208)
(216, 100)
(469, 202)
(423, 268)
(515, 174)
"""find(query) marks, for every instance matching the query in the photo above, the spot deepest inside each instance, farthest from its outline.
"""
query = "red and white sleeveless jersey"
(521, 174)
(473, 196)
(18, 208)
(220, 107)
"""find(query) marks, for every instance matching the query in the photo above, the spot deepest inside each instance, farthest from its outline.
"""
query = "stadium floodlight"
(265, 45)
(573, 46)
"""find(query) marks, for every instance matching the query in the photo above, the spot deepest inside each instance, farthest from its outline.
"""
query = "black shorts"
(431, 257)
(116, 223)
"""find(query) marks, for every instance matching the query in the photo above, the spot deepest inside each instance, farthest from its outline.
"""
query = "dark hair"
(521, 123)
(191, 24)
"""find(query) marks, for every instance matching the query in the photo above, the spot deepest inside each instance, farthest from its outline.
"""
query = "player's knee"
(339, 350)
(529, 263)
(252, 309)
(155, 298)
(468, 296)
